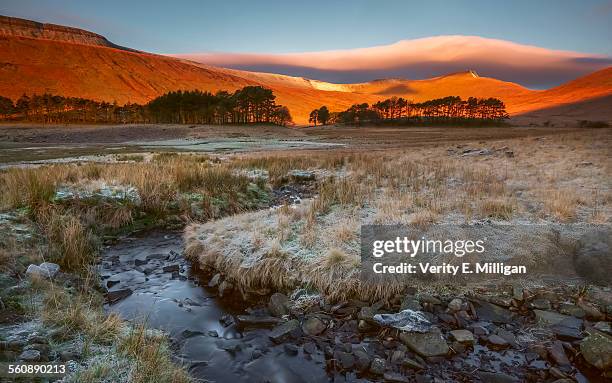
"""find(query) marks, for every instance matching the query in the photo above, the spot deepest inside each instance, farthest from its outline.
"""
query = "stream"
(149, 281)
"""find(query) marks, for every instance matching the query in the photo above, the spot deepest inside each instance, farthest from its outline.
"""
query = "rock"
(215, 280)
(291, 349)
(278, 305)
(378, 366)
(30, 356)
(413, 364)
(409, 302)
(591, 312)
(140, 262)
(45, 270)
(462, 336)
(310, 347)
(557, 354)
(492, 313)
(302, 175)
(256, 320)
(367, 314)
(406, 320)
(496, 377)
(213, 334)
(570, 309)
(171, 268)
(518, 293)
(593, 254)
(455, 305)
(395, 377)
(344, 360)
(112, 282)
(507, 336)
(603, 327)
(496, 342)
(551, 318)
(283, 330)
(224, 287)
(428, 298)
(117, 295)
(186, 334)
(425, 344)
(362, 359)
(313, 326)
(567, 333)
(69, 355)
(540, 304)
(597, 350)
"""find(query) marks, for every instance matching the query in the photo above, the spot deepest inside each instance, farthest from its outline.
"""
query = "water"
(192, 315)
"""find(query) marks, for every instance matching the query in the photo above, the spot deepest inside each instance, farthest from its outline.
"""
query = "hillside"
(38, 58)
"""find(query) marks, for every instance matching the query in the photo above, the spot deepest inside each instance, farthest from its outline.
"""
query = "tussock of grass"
(72, 245)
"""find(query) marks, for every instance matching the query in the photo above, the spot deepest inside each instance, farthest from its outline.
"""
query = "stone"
(597, 350)
(51, 268)
(492, 313)
(409, 302)
(291, 349)
(571, 309)
(397, 356)
(590, 310)
(367, 314)
(362, 359)
(30, 356)
(518, 293)
(278, 304)
(462, 336)
(46, 270)
(112, 282)
(395, 377)
(557, 354)
(69, 355)
(603, 327)
(507, 336)
(566, 333)
(344, 360)
(310, 347)
(257, 320)
(302, 175)
(425, 344)
(428, 298)
(215, 280)
(171, 268)
(283, 330)
(551, 318)
(413, 364)
(313, 326)
(496, 377)
(593, 254)
(117, 295)
(496, 342)
(224, 287)
(140, 262)
(455, 305)
(540, 304)
(378, 366)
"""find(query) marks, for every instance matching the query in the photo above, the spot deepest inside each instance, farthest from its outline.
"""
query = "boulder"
(278, 304)
(426, 344)
(44, 270)
(597, 350)
(492, 313)
(30, 356)
(283, 330)
(117, 295)
(313, 326)
(462, 336)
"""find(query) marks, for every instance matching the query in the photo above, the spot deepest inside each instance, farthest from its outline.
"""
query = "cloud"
(528, 65)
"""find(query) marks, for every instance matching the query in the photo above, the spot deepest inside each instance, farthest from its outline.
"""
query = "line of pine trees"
(251, 104)
(447, 109)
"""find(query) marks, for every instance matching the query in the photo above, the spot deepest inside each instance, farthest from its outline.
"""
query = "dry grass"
(71, 244)
(562, 204)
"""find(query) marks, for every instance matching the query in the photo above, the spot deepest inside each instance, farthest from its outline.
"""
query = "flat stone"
(540, 304)
(278, 304)
(492, 313)
(30, 356)
(551, 318)
(462, 336)
(117, 295)
(567, 333)
(256, 320)
(362, 359)
(496, 377)
(425, 344)
(591, 311)
(496, 342)
(344, 360)
(310, 348)
(395, 377)
(283, 330)
(171, 268)
(413, 364)
(570, 309)
(603, 327)
(597, 350)
(557, 354)
(428, 298)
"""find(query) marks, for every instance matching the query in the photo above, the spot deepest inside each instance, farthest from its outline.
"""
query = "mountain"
(531, 66)
(38, 58)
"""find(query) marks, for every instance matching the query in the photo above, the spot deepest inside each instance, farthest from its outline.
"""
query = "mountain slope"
(38, 58)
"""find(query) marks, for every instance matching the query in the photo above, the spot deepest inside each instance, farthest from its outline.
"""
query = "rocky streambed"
(494, 333)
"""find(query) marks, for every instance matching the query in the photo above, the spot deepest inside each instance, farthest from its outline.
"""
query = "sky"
(186, 26)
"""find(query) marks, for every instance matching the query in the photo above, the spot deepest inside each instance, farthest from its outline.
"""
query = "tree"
(314, 117)
(6, 106)
(323, 115)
